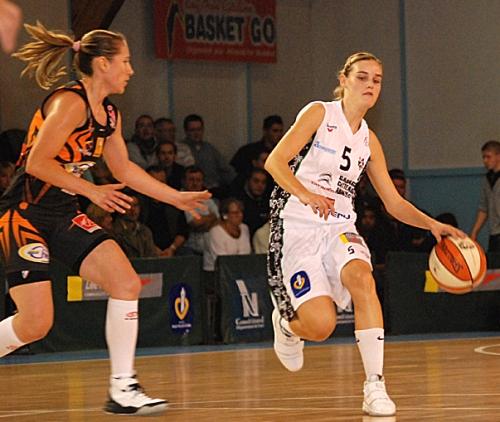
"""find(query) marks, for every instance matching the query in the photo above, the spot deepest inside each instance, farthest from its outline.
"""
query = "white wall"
(453, 49)
(452, 74)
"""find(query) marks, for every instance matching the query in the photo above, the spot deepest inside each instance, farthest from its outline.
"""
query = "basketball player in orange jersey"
(316, 257)
(39, 216)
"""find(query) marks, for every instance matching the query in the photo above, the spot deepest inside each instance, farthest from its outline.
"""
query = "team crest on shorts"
(300, 284)
(35, 252)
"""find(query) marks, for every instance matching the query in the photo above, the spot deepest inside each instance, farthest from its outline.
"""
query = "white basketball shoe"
(288, 347)
(126, 397)
(376, 400)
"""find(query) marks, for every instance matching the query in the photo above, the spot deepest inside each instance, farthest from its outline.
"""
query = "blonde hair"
(338, 92)
(43, 55)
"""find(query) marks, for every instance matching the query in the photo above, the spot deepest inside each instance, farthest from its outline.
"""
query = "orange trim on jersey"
(4, 233)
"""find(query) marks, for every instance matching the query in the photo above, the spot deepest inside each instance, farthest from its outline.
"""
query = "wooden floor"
(440, 380)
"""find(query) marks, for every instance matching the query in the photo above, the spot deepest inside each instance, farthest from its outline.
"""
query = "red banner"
(218, 30)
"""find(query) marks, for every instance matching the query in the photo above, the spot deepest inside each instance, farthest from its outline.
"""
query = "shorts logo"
(352, 238)
(35, 252)
(300, 284)
(85, 223)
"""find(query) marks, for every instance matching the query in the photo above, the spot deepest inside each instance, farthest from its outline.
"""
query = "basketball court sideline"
(436, 378)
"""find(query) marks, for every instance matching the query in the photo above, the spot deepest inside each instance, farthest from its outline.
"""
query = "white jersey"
(331, 165)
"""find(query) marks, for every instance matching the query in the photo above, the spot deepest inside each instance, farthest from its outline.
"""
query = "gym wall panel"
(453, 80)
(342, 28)
(20, 96)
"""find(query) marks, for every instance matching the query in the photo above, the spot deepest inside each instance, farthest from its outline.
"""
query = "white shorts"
(313, 257)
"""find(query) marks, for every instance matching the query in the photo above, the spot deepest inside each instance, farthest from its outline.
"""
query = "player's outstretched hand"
(109, 197)
(319, 204)
(439, 229)
(10, 22)
(193, 201)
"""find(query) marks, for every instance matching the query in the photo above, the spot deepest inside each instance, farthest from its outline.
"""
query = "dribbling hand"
(109, 197)
(439, 229)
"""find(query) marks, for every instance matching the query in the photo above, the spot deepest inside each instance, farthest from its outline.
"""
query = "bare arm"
(289, 146)
(481, 218)
(66, 111)
(395, 204)
(129, 173)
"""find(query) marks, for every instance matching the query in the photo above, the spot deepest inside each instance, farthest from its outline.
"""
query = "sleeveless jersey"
(331, 165)
(80, 152)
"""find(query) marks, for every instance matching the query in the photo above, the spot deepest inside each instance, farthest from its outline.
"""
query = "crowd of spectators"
(236, 218)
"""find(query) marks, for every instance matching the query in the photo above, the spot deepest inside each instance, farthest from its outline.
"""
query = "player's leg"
(357, 277)
(34, 317)
(107, 266)
(300, 292)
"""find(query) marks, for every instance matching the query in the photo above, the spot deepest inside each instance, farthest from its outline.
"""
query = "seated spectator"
(167, 223)
(260, 240)
(101, 175)
(167, 151)
(229, 237)
(142, 147)
(409, 238)
(198, 228)
(165, 132)
(6, 174)
(365, 197)
(255, 200)
(135, 238)
(238, 183)
(378, 235)
(272, 132)
(101, 217)
(11, 143)
(217, 173)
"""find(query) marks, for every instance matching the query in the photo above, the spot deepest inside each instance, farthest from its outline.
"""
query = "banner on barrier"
(218, 30)
(250, 317)
(491, 282)
(80, 289)
(181, 311)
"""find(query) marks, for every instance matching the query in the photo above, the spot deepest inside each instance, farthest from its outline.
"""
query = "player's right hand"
(320, 204)
(109, 197)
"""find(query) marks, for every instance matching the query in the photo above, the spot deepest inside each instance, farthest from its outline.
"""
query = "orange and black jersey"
(80, 151)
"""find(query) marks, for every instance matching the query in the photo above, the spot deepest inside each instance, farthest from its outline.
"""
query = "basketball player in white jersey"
(316, 257)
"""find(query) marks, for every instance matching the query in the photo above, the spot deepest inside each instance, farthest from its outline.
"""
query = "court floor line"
(401, 409)
(98, 355)
(482, 350)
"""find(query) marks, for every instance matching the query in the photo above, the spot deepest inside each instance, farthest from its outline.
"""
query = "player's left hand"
(193, 201)
(439, 230)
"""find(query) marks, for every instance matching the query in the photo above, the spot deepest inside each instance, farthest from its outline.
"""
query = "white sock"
(122, 326)
(371, 346)
(8, 338)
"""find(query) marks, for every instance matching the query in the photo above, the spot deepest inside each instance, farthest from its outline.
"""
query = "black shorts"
(31, 235)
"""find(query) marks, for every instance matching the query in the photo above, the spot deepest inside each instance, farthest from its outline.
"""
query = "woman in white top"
(230, 237)
(316, 256)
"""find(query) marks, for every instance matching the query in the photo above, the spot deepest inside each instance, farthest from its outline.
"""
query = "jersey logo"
(361, 163)
(85, 223)
(34, 252)
(300, 284)
(330, 128)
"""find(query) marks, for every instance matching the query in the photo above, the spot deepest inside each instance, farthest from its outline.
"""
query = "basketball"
(457, 265)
